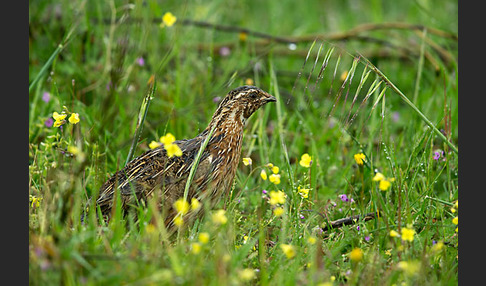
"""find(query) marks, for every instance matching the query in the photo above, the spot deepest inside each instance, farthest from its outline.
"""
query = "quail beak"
(270, 98)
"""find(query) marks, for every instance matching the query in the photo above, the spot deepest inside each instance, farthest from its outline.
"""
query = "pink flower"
(46, 96)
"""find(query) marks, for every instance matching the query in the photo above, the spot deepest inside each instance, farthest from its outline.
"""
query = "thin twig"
(349, 220)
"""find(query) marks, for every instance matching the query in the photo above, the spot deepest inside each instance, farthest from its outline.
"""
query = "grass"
(357, 77)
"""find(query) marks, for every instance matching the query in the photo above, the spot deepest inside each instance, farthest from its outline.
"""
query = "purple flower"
(49, 122)
(224, 51)
(302, 216)
(438, 154)
(46, 96)
(264, 192)
(367, 238)
(216, 99)
(140, 61)
(395, 116)
(344, 198)
(357, 228)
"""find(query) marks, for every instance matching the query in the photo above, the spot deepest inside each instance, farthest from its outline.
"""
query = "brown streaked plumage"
(154, 173)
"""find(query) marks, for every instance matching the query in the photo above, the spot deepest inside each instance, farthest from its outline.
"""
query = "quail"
(154, 173)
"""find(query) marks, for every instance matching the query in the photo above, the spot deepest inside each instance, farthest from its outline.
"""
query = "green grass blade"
(192, 172)
(415, 108)
(141, 119)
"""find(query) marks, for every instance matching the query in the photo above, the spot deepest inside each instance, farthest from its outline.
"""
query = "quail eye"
(253, 95)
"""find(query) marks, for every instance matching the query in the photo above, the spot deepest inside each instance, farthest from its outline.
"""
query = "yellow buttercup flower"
(219, 217)
(278, 211)
(275, 169)
(203, 237)
(178, 220)
(274, 178)
(407, 234)
(356, 255)
(195, 204)
(35, 201)
(288, 250)
(359, 158)
(173, 150)
(167, 139)
(378, 177)
(154, 144)
(247, 161)
(74, 118)
(246, 274)
(438, 246)
(263, 174)
(304, 193)
(181, 206)
(277, 197)
(168, 20)
(58, 117)
(384, 185)
(455, 220)
(195, 247)
(409, 267)
(311, 240)
(305, 160)
(393, 233)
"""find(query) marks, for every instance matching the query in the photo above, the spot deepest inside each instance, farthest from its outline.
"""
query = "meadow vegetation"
(365, 123)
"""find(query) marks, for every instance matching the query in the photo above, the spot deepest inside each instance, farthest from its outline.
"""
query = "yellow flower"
(304, 193)
(344, 75)
(455, 220)
(274, 178)
(242, 36)
(249, 81)
(288, 250)
(409, 267)
(74, 118)
(438, 246)
(219, 217)
(168, 20)
(388, 252)
(247, 161)
(35, 201)
(278, 211)
(246, 274)
(150, 228)
(167, 139)
(73, 150)
(263, 174)
(195, 247)
(393, 233)
(356, 255)
(275, 169)
(384, 185)
(277, 197)
(311, 240)
(305, 160)
(181, 206)
(378, 177)
(178, 220)
(203, 237)
(154, 144)
(407, 234)
(195, 204)
(359, 158)
(456, 204)
(58, 117)
(173, 150)
(269, 165)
